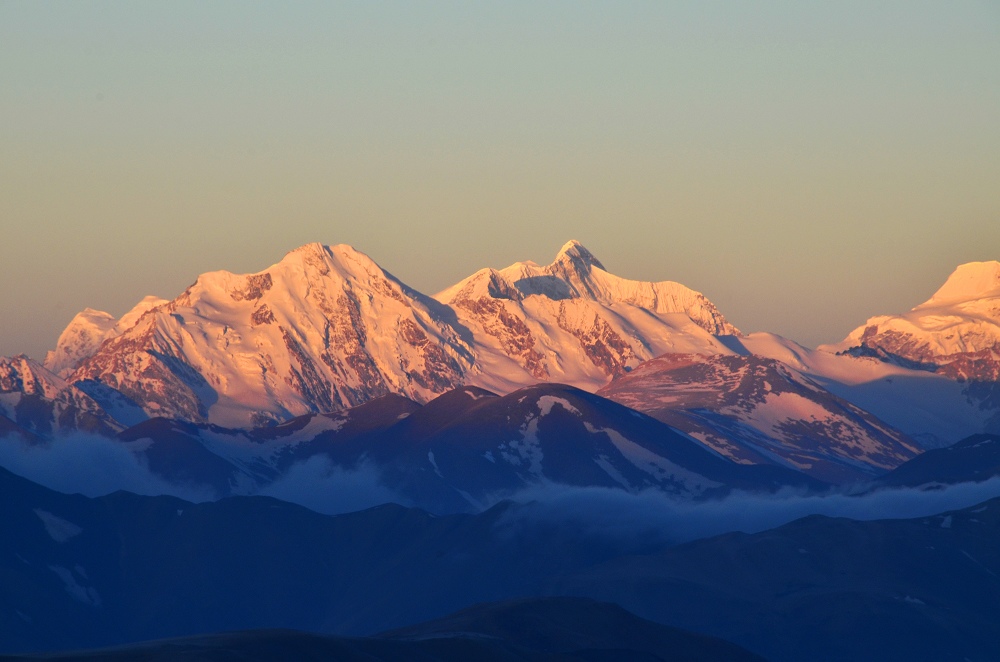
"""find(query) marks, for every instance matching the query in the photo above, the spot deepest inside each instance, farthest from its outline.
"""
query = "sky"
(805, 165)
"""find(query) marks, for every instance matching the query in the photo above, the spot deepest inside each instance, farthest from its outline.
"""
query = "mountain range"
(326, 329)
(463, 451)
(487, 472)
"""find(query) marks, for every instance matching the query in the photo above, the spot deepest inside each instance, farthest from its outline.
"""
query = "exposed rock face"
(19, 374)
(326, 328)
(602, 345)
(262, 315)
(254, 289)
(41, 404)
(510, 330)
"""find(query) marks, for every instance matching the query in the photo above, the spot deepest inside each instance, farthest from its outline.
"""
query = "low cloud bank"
(658, 517)
(93, 465)
(320, 485)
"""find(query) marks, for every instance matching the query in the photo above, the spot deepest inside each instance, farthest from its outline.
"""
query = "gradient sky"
(804, 164)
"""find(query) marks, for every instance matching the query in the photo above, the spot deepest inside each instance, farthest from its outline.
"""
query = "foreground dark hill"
(971, 460)
(827, 589)
(532, 630)
(602, 631)
(77, 572)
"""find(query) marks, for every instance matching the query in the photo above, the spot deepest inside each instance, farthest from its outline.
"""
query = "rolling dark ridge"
(533, 630)
(971, 460)
(78, 573)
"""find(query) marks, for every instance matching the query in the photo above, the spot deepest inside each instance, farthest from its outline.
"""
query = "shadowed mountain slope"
(462, 451)
(971, 460)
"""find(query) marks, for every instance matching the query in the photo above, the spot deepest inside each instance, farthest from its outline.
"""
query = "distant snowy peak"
(955, 333)
(972, 281)
(83, 336)
(79, 340)
(129, 319)
(572, 322)
(573, 251)
(577, 274)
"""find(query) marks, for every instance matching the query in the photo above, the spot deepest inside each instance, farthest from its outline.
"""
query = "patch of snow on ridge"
(547, 402)
(927, 406)
(783, 416)
(58, 529)
(86, 595)
(779, 408)
(604, 463)
(430, 458)
(321, 423)
(648, 461)
(526, 450)
(87, 330)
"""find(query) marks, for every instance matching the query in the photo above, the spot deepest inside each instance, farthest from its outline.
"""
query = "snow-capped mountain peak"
(956, 333)
(575, 253)
(88, 329)
(22, 375)
(79, 340)
(40, 403)
(576, 273)
(963, 317)
(148, 303)
(974, 280)
(323, 329)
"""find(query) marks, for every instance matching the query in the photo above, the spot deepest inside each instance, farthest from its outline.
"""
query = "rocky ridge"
(38, 404)
(756, 410)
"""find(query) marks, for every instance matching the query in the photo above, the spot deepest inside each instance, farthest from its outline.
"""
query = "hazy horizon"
(805, 167)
